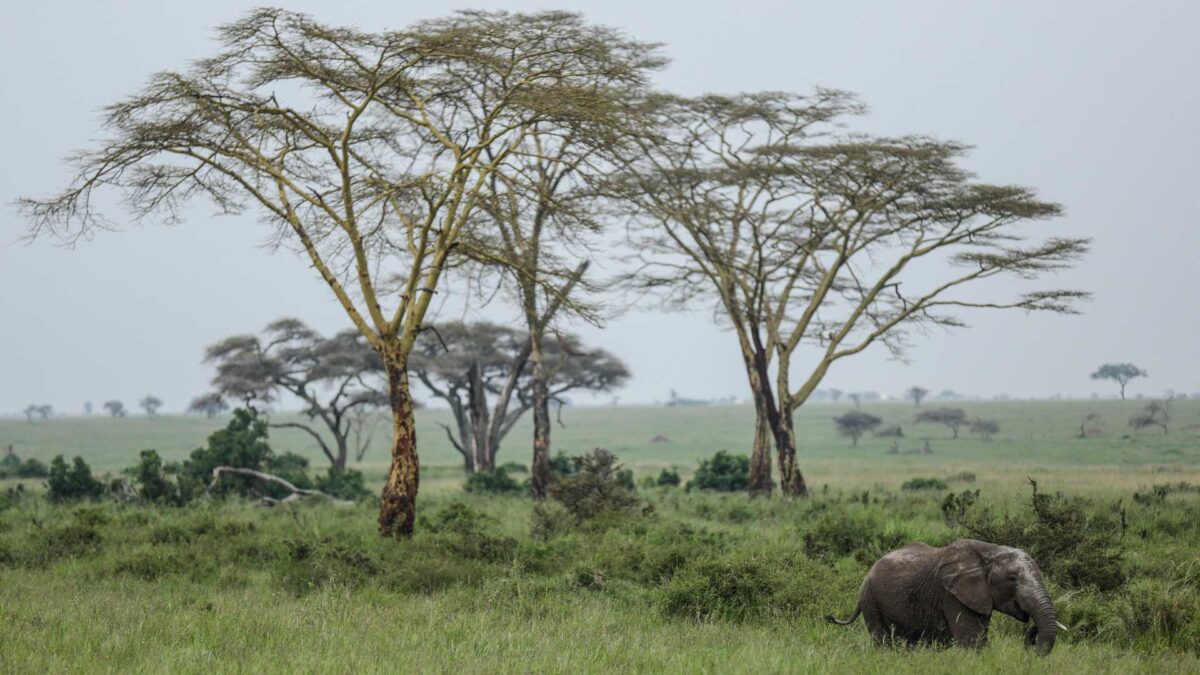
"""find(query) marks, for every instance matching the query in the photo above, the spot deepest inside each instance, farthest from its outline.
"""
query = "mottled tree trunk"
(760, 455)
(485, 456)
(791, 480)
(540, 471)
(398, 503)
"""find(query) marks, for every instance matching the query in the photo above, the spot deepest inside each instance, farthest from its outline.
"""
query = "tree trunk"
(791, 480)
(540, 471)
(760, 456)
(484, 458)
(343, 453)
(398, 503)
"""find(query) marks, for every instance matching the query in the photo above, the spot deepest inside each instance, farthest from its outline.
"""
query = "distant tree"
(150, 404)
(985, 428)
(916, 395)
(856, 397)
(855, 423)
(115, 408)
(210, 405)
(835, 394)
(465, 365)
(87, 409)
(1154, 414)
(45, 410)
(30, 410)
(1090, 426)
(1121, 373)
(949, 417)
(334, 377)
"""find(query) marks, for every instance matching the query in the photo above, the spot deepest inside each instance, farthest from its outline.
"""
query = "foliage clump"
(668, 478)
(722, 472)
(598, 486)
(924, 484)
(11, 466)
(74, 483)
(493, 482)
(834, 537)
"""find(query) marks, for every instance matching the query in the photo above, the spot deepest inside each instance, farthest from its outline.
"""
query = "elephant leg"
(880, 631)
(968, 628)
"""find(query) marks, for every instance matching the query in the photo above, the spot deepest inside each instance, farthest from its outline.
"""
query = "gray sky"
(1095, 103)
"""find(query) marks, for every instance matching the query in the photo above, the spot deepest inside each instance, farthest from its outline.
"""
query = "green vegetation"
(667, 581)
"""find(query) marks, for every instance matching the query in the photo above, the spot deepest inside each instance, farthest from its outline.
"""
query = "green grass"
(233, 587)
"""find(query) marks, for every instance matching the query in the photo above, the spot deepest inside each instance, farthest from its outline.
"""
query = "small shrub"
(836, 536)
(598, 486)
(348, 484)
(495, 482)
(961, 477)
(514, 467)
(722, 472)
(561, 465)
(668, 477)
(717, 589)
(924, 484)
(1156, 611)
(72, 484)
(151, 482)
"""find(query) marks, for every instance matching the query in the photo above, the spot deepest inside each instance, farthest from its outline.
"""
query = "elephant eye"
(1012, 577)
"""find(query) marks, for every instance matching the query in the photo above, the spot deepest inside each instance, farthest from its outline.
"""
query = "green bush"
(924, 484)
(668, 477)
(838, 535)
(72, 484)
(495, 482)
(717, 589)
(599, 486)
(151, 482)
(348, 484)
(723, 472)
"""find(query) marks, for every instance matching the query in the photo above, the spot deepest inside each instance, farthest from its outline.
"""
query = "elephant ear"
(964, 575)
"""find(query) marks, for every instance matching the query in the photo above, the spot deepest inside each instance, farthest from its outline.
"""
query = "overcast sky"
(1095, 103)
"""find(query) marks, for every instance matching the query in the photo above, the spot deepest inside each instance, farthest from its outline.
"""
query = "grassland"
(704, 583)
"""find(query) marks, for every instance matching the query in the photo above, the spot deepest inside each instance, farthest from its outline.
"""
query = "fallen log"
(297, 493)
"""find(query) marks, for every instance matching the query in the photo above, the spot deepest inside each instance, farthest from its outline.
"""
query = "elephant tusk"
(1060, 626)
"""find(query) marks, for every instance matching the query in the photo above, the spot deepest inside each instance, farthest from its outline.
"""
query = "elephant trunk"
(1045, 623)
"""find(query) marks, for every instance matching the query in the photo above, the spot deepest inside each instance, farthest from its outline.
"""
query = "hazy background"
(1094, 103)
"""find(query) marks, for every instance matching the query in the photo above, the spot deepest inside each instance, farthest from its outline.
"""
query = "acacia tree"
(210, 405)
(115, 408)
(150, 404)
(1121, 373)
(367, 151)
(952, 418)
(802, 233)
(856, 423)
(467, 364)
(334, 377)
(916, 395)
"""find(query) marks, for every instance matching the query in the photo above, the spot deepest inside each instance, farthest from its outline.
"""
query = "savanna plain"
(683, 580)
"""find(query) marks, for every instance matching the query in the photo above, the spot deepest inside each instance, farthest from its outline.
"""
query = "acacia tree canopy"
(468, 365)
(334, 377)
(799, 231)
(1121, 373)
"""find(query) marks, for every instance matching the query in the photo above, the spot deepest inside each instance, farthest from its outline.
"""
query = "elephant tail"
(833, 619)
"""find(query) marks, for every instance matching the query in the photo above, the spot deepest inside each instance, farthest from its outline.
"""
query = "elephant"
(923, 594)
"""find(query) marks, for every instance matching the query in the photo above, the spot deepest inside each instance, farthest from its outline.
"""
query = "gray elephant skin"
(922, 594)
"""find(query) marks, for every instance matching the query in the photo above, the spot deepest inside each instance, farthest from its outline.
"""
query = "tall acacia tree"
(803, 233)
(366, 151)
(545, 207)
